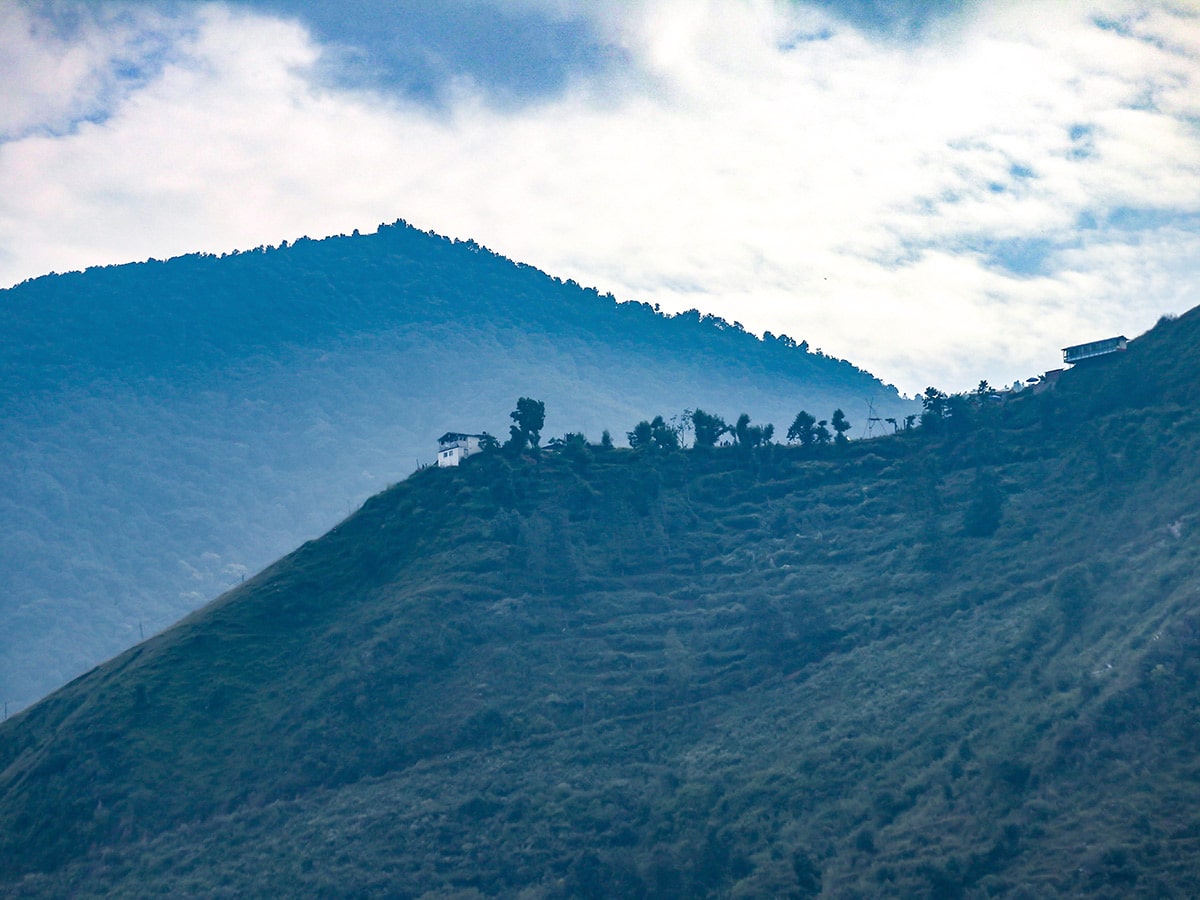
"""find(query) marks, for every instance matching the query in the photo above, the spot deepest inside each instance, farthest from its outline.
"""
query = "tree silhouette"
(516, 443)
(708, 428)
(750, 436)
(655, 436)
(802, 429)
(665, 436)
(840, 425)
(529, 416)
(934, 403)
(642, 435)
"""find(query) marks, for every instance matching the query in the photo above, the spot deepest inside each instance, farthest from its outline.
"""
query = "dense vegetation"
(958, 661)
(168, 427)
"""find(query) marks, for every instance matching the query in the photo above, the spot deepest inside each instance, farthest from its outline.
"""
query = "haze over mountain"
(169, 427)
(958, 661)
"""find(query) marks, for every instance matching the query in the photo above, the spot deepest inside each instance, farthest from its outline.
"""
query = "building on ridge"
(454, 447)
(1048, 382)
(1096, 348)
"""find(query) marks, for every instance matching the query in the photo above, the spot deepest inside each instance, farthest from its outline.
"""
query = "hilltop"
(170, 427)
(959, 661)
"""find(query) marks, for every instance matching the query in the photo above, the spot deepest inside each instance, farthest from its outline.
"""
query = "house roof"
(1105, 342)
(1080, 352)
(451, 436)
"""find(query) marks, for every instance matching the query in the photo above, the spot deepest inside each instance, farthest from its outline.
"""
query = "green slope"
(731, 674)
(169, 426)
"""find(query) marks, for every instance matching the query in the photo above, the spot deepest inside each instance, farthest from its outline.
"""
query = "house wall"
(453, 454)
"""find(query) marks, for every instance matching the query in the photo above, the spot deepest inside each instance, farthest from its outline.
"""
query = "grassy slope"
(717, 674)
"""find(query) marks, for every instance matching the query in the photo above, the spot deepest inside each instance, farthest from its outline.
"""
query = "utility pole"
(871, 417)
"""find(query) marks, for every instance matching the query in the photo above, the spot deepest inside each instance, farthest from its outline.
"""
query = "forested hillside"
(959, 661)
(169, 427)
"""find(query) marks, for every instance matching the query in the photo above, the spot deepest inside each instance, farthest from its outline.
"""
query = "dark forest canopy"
(169, 427)
(193, 308)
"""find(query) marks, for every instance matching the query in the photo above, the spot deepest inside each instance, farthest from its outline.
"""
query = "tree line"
(660, 435)
(941, 412)
(708, 430)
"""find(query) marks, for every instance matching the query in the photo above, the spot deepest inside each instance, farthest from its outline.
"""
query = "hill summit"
(171, 427)
(958, 661)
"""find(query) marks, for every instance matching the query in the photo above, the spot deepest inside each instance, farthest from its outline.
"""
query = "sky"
(939, 192)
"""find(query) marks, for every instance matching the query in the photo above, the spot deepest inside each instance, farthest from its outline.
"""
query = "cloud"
(938, 208)
(75, 62)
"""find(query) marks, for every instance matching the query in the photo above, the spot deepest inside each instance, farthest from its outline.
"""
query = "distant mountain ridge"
(961, 661)
(169, 427)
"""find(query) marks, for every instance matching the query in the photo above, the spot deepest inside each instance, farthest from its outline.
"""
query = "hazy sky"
(939, 192)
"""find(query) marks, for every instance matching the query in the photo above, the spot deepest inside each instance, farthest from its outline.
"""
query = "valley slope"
(960, 661)
(168, 428)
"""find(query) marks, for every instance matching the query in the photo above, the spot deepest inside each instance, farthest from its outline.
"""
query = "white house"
(453, 447)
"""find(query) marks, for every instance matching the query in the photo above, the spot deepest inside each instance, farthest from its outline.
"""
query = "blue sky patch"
(799, 39)
(418, 49)
(1083, 144)
(1124, 27)
(894, 18)
(1132, 218)
(1022, 257)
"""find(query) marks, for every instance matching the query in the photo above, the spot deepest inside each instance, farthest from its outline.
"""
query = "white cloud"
(759, 161)
(58, 75)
